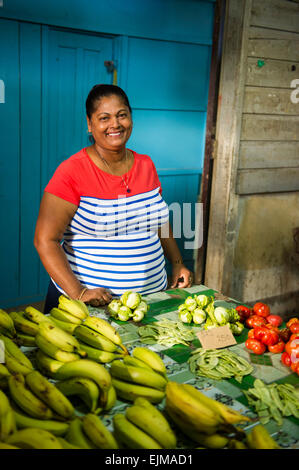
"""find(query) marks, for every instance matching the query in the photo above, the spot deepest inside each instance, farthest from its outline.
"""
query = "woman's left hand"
(181, 276)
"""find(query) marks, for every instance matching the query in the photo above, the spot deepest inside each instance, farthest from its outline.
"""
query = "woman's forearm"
(57, 266)
(170, 247)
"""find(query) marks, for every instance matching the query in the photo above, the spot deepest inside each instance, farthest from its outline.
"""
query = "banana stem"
(124, 349)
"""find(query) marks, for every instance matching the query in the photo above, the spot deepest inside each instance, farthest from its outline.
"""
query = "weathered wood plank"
(273, 73)
(262, 100)
(270, 180)
(284, 49)
(278, 14)
(257, 32)
(256, 154)
(267, 127)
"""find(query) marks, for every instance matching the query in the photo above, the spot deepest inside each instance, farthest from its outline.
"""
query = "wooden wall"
(255, 187)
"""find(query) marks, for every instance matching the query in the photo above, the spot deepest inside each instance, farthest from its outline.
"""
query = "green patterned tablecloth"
(267, 367)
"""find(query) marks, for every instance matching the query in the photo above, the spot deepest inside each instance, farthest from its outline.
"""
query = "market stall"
(259, 387)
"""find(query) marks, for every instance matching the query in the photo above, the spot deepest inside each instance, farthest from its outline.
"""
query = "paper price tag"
(218, 337)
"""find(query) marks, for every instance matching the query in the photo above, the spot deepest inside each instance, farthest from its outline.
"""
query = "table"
(267, 367)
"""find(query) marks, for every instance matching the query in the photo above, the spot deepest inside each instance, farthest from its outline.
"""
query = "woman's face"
(111, 123)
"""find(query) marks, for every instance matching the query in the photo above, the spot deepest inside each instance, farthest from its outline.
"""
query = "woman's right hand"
(96, 297)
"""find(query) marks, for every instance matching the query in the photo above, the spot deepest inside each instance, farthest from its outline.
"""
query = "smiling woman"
(98, 232)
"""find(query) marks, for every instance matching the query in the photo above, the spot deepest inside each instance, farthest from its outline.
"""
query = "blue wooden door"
(73, 63)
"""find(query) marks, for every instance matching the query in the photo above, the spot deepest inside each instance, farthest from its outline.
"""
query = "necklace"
(108, 166)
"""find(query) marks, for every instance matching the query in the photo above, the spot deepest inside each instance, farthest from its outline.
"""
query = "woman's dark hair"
(99, 91)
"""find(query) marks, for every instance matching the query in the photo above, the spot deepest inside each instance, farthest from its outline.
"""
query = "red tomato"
(266, 336)
(255, 346)
(294, 336)
(255, 320)
(294, 327)
(285, 359)
(277, 348)
(295, 367)
(250, 333)
(244, 312)
(292, 348)
(292, 320)
(261, 309)
(274, 320)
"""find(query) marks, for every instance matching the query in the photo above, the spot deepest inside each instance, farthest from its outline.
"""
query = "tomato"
(294, 336)
(274, 320)
(261, 309)
(295, 367)
(277, 348)
(292, 320)
(250, 333)
(294, 327)
(255, 346)
(255, 320)
(292, 348)
(244, 312)
(285, 359)
(266, 336)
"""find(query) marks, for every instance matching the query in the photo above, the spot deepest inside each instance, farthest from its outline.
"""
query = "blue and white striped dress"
(113, 242)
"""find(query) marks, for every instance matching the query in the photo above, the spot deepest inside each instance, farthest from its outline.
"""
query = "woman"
(105, 203)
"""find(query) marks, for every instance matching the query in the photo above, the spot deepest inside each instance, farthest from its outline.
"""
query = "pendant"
(128, 190)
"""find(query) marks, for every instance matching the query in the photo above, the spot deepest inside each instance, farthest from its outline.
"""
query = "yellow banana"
(129, 391)
(259, 438)
(4, 445)
(46, 364)
(213, 441)
(77, 437)
(77, 308)
(131, 436)
(151, 358)
(58, 428)
(60, 338)
(98, 355)
(133, 361)
(190, 409)
(106, 329)
(35, 315)
(94, 339)
(89, 369)
(53, 351)
(187, 428)
(4, 372)
(111, 398)
(16, 352)
(26, 400)
(64, 325)
(138, 375)
(7, 326)
(7, 419)
(148, 418)
(34, 438)
(22, 324)
(14, 366)
(62, 315)
(25, 340)
(97, 432)
(49, 394)
(229, 415)
(83, 387)
(235, 444)
(65, 444)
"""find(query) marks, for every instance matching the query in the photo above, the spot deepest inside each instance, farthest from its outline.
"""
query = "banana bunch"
(100, 340)
(259, 438)
(144, 427)
(89, 432)
(7, 418)
(90, 370)
(4, 374)
(142, 375)
(204, 420)
(15, 359)
(6, 324)
(39, 398)
(32, 438)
